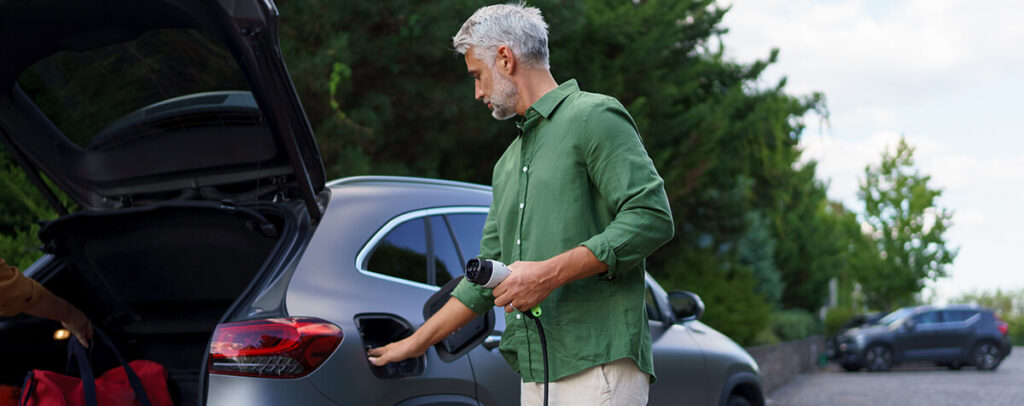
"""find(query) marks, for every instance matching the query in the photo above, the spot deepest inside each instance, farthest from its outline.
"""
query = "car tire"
(851, 367)
(738, 400)
(878, 358)
(986, 356)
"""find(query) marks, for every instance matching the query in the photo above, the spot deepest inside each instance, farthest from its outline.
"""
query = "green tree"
(1006, 303)
(908, 229)
(386, 94)
(21, 208)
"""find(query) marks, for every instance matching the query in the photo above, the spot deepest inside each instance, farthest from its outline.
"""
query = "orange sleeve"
(17, 292)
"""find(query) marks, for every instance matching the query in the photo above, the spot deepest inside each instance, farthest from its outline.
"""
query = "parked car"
(207, 239)
(953, 336)
(857, 321)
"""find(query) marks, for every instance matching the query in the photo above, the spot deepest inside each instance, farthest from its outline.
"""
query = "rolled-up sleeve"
(17, 292)
(625, 176)
(477, 298)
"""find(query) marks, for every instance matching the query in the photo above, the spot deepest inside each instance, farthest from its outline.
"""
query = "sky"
(945, 74)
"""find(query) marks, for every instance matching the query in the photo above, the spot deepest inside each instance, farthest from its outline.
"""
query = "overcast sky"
(945, 74)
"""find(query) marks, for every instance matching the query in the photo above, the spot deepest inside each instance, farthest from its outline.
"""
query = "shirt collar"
(547, 103)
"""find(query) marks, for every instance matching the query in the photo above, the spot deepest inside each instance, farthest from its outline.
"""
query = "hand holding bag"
(142, 383)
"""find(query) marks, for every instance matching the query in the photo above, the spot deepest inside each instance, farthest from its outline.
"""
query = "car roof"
(956, 306)
(398, 181)
(400, 194)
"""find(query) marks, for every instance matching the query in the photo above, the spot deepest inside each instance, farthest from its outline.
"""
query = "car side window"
(447, 262)
(402, 253)
(957, 315)
(468, 229)
(927, 318)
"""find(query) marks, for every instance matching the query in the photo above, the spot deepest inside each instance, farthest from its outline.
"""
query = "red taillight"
(272, 348)
(1001, 325)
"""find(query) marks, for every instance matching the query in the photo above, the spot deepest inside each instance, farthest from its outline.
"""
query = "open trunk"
(155, 279)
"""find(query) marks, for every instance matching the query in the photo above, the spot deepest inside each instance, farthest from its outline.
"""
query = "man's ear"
(506, 60)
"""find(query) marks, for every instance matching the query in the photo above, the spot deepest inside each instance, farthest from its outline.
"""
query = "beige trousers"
(617, 383)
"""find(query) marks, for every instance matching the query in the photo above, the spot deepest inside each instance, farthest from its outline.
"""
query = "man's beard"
(503, 100)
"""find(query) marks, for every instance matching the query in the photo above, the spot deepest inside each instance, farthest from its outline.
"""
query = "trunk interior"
(156, 280)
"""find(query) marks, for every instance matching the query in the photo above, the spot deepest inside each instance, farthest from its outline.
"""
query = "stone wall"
(781, 362)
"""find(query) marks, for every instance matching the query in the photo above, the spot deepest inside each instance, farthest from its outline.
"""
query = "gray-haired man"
(577, 207)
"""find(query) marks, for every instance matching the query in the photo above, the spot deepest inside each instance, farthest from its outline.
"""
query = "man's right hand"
(395, 352)
(452, 316)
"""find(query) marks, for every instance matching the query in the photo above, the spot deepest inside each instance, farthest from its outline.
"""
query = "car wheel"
(878, 358)
(851, 367)
(738, 400)
(987, 356)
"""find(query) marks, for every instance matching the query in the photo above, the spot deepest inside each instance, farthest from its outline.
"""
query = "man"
(19, 294)
(577, 207)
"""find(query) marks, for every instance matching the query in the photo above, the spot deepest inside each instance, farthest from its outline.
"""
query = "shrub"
(732, 306)
(765, 337)
(794, 324)
(1016, 323)
(835, 318)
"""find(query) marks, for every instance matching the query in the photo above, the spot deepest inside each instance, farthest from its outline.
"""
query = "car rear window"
(83, 92)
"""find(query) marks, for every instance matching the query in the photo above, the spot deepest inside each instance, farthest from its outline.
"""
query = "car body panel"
(328, 285)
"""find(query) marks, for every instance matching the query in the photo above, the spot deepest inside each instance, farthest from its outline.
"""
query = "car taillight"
(272, 348)
(1001, 325)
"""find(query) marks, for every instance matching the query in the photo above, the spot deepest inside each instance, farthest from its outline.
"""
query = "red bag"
(145, 383)
(9, 395)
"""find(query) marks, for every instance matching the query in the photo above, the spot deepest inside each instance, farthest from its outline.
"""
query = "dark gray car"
(953, 336)
(207, 239)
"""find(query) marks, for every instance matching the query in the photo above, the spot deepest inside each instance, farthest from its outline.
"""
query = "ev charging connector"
(489, 273)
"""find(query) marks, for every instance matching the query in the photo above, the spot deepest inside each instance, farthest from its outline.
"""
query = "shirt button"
(521, 205)
(524, 169)
(518, 241)
(519, 316)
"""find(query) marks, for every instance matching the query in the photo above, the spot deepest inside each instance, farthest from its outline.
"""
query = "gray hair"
(516, 26)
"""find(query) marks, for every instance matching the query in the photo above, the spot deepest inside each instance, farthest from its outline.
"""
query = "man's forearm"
(452, 316)
(575, 264)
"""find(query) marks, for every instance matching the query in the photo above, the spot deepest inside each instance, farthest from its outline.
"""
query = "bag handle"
(89, 380)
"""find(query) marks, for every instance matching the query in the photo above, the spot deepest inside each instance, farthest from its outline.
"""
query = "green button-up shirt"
(577, 175)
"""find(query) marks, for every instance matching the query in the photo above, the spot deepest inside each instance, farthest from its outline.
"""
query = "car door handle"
(492, 341)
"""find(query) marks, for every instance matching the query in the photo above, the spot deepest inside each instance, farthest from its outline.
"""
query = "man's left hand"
(528, 285)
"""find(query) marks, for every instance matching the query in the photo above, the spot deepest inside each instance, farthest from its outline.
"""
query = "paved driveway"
(913, 384)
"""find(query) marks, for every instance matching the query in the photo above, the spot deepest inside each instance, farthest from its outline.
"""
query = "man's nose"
(477, 92)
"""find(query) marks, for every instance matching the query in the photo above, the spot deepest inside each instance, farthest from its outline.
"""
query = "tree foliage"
(21, 207)
(908, 230)
(386, 94)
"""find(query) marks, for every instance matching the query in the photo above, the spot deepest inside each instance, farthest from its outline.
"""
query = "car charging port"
(378, 330)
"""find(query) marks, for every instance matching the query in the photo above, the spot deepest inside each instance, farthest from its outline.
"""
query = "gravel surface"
(908, 384)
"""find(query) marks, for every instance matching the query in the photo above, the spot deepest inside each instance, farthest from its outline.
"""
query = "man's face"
(492, 87)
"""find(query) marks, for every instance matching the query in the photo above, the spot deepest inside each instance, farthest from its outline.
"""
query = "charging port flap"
(464, 339)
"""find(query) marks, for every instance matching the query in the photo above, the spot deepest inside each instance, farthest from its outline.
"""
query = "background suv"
(953, 335)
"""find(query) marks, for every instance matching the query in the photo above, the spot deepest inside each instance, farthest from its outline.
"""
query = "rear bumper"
(237, 390)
